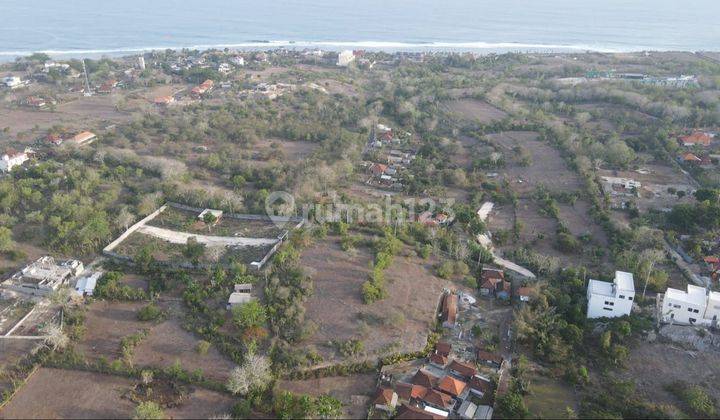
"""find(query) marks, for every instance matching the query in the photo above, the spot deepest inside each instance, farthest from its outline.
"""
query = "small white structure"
(238, 61)
(11, 159)
(238, 298)
(484, 210)
(615, 186)
(217, 213)
(85, 286)
(141, 62)
(12, 82)
(243, 288)
(611, 299)
(345, 58)
(695, 306)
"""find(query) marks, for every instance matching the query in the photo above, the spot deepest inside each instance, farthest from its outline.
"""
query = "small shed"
(238, 298)
(243, 288)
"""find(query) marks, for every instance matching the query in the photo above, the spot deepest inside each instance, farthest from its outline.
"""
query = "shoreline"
(375, 46)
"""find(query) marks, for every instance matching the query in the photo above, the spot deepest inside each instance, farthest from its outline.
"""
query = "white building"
(238, 298)
(238, 61)
(12, 82)
(694, 306)
(85, 286)
(345, 58)
(43, 276)
(611, 299)
(12, 159)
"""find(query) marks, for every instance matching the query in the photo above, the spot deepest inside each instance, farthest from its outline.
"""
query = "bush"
(149, 410)
(149, 313)
(695, 398)
(202, 347)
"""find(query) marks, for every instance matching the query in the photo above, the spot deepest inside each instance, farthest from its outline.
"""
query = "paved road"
(182, 238)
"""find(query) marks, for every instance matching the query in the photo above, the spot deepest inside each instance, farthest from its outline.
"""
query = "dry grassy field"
(56, 393)
(340, 314)
(474, 110)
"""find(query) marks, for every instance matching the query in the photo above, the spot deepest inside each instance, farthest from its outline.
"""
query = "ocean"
(98, 27)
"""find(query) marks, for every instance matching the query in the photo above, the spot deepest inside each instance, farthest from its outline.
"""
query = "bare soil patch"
(655, 365)
(168, 343)
(545, 167)
(475, 110)
(58, 393)
(107, 323)
(340, 314)
(353, 391)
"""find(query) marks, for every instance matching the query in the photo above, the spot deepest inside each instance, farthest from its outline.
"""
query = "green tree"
(6, 240)
(193, 250)
(149, 410)
(249, 315)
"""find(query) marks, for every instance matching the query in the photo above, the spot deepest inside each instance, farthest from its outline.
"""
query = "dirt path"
(182, 238)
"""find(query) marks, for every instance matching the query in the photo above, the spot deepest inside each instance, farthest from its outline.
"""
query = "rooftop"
(695, 295)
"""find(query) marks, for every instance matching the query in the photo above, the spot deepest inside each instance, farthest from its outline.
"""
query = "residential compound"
(43, 276)
(696, 306)
(611, 300)
(11, 159)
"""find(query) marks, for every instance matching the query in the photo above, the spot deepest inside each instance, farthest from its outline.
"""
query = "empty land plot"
(107, 323)
(168, 342)
(577, 219)
(654, 365)
(353, 391)
(398, 323)
(290, 150)
(474, 110)
(58, 393)
(545, 165)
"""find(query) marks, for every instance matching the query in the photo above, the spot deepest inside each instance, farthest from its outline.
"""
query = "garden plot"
(173, 233)
(544, 165)
(398, 323)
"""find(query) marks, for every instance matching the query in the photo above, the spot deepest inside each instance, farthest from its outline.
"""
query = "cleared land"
(398, 323)
(57, 393)
(353, 391)
(168, 343)
(475, 110)
(107, 323)
(545, 165)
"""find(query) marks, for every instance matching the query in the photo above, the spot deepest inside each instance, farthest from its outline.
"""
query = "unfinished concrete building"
(43, 276)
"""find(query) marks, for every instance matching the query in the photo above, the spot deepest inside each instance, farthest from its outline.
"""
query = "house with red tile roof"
(443, 348)
(385, 399)
(415, 413)
(410, 392)
(425, 379)
(438, 360)
(449, 310)
(464, 370)
(83, 137)
(490, 359)
(439, 399)
(452, 386)
(523, 294)
(698, 138)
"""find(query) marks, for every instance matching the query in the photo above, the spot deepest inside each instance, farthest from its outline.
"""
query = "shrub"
(202, 347)
(149, 313)
(149, 410)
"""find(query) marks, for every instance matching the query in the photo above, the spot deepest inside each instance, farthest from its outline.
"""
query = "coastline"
(478, 47)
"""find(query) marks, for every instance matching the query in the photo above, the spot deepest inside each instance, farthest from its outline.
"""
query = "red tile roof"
(452, 386)
(485, 356)
(409, 412)
(464, 369)
(438, 359)
(424, 378)
(523, 291)
(449, 311)
(443, 348)
(492, 273)
(697, 137)
(408, 391)
(481, 385)
(438, 399)
(384, 396)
